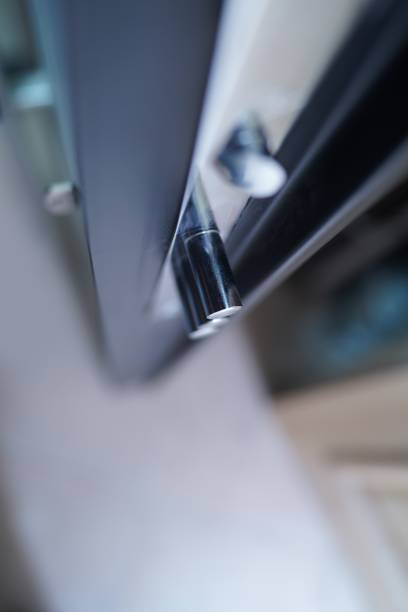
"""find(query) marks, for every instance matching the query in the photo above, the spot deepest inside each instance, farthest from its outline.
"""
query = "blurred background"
(262, 469)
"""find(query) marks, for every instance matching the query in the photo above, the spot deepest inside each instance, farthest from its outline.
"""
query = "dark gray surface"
(136, 74)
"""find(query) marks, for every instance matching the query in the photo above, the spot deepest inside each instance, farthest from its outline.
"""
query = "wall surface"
(184, 495)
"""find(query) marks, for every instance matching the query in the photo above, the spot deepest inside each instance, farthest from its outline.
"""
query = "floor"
(184, 495)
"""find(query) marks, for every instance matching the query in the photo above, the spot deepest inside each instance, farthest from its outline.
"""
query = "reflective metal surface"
(197, 324)
(247, 162)
(61, 198)
(212, 274)
(203, 275)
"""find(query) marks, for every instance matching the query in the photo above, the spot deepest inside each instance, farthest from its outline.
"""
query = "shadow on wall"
(18, 592)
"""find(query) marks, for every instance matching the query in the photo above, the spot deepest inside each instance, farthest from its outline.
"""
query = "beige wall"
(353, 438)
(181, 496)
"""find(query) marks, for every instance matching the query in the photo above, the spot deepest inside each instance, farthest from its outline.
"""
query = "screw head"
(61, 198)
(247, 162)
